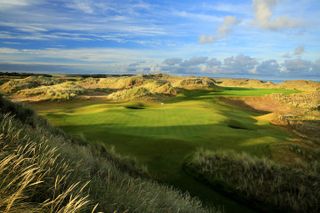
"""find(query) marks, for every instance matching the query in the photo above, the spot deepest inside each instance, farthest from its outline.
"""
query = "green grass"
(161, 136)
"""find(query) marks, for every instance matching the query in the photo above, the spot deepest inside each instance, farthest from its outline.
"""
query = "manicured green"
(162, 135)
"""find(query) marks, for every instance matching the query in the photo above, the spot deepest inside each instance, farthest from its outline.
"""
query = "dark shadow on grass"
(209, 94)
(240, 104)
(135, 106)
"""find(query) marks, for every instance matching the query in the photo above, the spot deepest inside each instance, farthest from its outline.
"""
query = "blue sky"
(251, 38)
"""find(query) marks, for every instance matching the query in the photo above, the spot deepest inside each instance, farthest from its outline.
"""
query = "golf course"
(148, 106)
(162, 135)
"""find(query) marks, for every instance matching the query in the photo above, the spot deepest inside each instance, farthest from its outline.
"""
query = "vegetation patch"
(57, 92)
(302, 85)
(15, 85)
(269, 185)
(196, 83)
(131, 94)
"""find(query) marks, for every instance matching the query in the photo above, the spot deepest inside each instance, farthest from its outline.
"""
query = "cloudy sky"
(250, 38)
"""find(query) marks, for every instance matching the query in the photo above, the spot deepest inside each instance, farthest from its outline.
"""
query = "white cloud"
(268, 67)
(235, 8)
(297, 66)
(240, 64)
(263, 10)
(213, 62)
(112, 60)
(10, 4)
(80, 55)
(223, 30)
(172, 61)
(100, 20)
(194, 61)
(198, 16)
(8, 50)
(84, 6)
(298, 51)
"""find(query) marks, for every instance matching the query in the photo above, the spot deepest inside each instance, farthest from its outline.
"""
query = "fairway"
(162, 135)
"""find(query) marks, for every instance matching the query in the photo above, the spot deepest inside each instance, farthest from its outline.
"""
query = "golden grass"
(27, 168)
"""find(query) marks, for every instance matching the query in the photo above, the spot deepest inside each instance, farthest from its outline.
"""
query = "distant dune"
(154, 87)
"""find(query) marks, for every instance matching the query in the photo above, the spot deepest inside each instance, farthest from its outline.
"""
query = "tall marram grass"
(45, 170)
(269, 185)
(33, 177)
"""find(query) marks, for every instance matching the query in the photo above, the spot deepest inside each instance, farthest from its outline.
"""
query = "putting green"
(162, 135)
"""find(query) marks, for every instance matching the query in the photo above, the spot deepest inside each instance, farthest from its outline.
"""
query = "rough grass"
(302, 85)
(196, 83)
(33, 177)
(15, 85)
(259, 181)
(131, 94)
(58, 92)
(151, 89)
(51, 172)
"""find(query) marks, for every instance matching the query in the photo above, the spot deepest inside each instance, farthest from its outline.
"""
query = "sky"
(272, 39)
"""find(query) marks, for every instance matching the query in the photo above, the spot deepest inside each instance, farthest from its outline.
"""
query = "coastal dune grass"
(32, 172)
(272, 187)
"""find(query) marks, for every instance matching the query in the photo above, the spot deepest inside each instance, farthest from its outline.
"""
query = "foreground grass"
(34, 172)
(45, 170)
(258, 181)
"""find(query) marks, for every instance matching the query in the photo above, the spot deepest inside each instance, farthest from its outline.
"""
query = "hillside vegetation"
(302, 85)
(259, 181)
(299, 112)
(45, 170)
(122, 88)
(15, 85)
